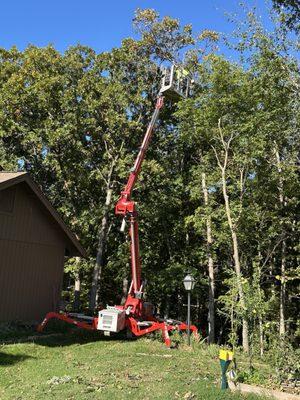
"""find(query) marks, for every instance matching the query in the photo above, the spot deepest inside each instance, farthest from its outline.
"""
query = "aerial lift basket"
(176, 82)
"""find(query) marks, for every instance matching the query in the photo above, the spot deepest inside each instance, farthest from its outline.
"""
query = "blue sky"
(102, 24)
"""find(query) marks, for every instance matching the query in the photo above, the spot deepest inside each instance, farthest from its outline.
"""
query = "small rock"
(189, 396)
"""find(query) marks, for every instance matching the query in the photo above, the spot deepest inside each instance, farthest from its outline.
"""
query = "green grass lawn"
(85, 366)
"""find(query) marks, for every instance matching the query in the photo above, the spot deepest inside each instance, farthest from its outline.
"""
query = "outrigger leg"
(70, 320)
(138, 328)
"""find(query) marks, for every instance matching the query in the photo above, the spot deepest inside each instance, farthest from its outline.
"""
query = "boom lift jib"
(136, 315)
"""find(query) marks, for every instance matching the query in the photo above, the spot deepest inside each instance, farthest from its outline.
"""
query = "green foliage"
(163, 38)
(76, 121)
(253, 376)
(289, 11)
(286, 360)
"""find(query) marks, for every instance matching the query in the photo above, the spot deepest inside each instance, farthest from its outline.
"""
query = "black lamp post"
(189, 283)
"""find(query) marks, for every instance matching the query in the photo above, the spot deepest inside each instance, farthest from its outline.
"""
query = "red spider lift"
(135, 315)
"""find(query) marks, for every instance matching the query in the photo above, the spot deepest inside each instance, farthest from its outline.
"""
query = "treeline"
(219, 191)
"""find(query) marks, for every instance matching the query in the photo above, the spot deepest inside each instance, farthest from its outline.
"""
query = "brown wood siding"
(29, 222)
(30, 277)
(31, 260)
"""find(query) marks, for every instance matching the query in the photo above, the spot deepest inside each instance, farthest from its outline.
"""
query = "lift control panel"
(111, 319)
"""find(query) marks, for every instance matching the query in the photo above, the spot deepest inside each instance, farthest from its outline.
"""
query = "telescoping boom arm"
(175, 85)
(126, 193)
(126, 207)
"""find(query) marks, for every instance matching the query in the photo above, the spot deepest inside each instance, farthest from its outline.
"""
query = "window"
(7, 200)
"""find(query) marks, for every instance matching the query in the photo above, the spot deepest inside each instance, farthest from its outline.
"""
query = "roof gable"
(8, 179)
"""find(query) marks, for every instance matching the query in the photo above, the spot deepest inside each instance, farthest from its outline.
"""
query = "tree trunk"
(77, 289)
(210, 262)
(260, 314)
(237, 265)
(167, 308)
(198, 305)
(282, 330)
(261, 336)
(124, 291)
(100, 255)
(232, 227)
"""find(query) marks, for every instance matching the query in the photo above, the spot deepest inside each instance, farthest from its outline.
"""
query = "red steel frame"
(134, 302)
(126, 207)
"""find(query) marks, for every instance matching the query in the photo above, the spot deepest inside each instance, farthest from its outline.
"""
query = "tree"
(63, 116)
(290, 12)
(219, 190)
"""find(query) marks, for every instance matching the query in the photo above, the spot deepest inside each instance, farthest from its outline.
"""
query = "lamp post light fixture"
(189, 283)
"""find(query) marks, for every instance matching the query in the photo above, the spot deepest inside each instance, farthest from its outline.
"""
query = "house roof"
(8, 179)
(6, 176)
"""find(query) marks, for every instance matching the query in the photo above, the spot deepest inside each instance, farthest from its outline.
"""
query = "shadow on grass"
(60, 337)
(58, 334)
(77, 336)
(11, 359)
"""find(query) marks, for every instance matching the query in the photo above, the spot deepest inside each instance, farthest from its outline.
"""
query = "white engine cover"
(111, 320)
